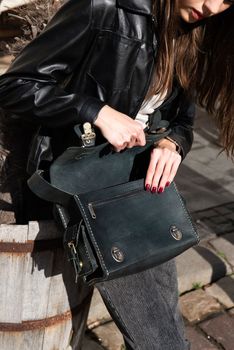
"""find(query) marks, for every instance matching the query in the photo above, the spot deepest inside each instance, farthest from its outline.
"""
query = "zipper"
(91, 210)
(99, 203)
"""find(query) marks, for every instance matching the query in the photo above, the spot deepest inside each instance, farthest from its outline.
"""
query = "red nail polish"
(154, 189)
(161, 189)
(168, 184)
(147, 187)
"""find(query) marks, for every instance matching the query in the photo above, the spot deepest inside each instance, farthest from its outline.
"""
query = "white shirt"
(148, 107)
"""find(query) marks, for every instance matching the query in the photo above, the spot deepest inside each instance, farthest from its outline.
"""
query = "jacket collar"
(137, 6)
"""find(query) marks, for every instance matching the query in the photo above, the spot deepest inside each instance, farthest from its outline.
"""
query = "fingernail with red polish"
(161, 189)
(168, 184)
(147, 187)
(154, 189)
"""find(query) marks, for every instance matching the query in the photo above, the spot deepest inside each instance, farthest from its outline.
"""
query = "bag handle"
(43, 189)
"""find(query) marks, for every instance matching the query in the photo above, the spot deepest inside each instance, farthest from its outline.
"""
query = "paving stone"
(90, 344)
(198, 341)
(231, 312)
(202, 192)
(231, 205)
(223, 291)
(197, 305)
(109, 336)
(199, 140)
(211, 185)
(98, 313)
(199, 266)
(205, 233)
(225, 245)
(230, 216)
(223, 210)
(221, 329)
(219, 219)
(206, 213)
(219, 229)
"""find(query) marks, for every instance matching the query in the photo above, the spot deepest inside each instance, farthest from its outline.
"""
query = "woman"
(121, 65)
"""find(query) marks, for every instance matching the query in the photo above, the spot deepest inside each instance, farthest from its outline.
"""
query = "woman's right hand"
(119, 129)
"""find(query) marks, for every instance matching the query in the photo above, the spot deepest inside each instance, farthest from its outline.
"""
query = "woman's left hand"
(163, 166)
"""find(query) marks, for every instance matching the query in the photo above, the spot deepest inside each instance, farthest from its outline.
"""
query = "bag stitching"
(186, 212)
(62, 216)
(87, 254)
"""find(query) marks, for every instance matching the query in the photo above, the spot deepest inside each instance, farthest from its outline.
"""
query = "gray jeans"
(145, 308)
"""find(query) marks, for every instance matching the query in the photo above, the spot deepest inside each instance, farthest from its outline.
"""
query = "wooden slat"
(22, 341)
(58, 337)
(13, 233)
(57, 298)
(36, 285)
(32, 340)
(11, 287)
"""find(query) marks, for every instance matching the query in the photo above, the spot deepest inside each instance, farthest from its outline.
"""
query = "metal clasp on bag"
(117, 254)
(176, 233)
(74, 258)
(89, 136)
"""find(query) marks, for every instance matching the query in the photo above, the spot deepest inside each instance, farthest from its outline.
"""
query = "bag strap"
(43, 189)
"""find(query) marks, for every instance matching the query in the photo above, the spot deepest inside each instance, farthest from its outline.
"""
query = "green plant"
(222, 255)
(197, 285)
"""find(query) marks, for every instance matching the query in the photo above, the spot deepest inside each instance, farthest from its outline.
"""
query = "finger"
(162, 176)
(121, 147)
(141, 141)
(165, 178)
(158, 174)
(151, 170)
(174, 170)
(132, 142)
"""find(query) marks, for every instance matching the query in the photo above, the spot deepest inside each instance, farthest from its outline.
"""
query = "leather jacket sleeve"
(182, 125)
(33, 87)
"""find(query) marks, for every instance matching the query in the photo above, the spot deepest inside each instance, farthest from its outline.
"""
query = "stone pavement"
(206, 272)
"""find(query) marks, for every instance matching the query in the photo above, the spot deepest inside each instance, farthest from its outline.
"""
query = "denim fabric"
(145, 308)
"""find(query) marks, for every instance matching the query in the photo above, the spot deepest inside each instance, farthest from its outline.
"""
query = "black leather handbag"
(113, 227)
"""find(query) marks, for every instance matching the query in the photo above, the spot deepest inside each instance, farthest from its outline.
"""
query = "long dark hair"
(201, 56)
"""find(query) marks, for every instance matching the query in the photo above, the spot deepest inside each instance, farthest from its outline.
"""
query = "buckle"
(89, 136)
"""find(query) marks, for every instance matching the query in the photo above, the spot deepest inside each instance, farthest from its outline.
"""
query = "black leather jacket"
(92, 53)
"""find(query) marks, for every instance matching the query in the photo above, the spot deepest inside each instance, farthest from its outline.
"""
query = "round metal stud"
(117, 254)
(176, 233)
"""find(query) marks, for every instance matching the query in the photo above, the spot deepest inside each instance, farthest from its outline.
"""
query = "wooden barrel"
(38, 296)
